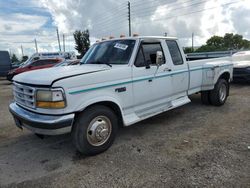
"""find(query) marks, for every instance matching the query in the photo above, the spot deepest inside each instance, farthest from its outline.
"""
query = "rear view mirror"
(159, 58)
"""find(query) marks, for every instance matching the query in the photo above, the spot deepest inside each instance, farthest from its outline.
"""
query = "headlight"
(50, 98)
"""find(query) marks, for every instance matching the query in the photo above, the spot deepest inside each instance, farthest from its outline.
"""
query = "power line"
(109, 32)
(122, 6)
(112, 13)
(153, 8)
(201, 10)
(142, 3)
(116, 19)
(172, 9)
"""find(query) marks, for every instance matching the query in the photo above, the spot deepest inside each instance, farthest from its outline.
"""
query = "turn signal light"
(47, 104)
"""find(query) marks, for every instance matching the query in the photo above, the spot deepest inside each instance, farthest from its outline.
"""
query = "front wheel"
(219, 94)
(95, 129)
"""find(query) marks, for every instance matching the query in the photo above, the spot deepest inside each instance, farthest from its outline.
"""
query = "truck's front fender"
(93, 101)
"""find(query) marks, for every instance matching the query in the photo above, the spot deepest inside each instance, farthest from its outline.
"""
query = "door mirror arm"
(147, 63)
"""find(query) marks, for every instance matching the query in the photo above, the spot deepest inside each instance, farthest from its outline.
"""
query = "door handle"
(167, 69)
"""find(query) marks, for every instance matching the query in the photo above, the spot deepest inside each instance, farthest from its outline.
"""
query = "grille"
(24, 95)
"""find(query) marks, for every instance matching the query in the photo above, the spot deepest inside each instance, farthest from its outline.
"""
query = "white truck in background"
(119, 82)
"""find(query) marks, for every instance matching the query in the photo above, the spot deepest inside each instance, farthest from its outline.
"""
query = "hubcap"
(99, 130)
(223, 92)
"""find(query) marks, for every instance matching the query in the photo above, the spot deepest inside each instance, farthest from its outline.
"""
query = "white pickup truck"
(119, 82)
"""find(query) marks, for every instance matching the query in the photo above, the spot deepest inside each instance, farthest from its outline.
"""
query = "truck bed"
(208, 70)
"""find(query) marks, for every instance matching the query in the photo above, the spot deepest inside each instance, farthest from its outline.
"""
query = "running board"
(180, 101)
(133, 118)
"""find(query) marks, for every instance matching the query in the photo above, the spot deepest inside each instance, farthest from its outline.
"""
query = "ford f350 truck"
(119, 82)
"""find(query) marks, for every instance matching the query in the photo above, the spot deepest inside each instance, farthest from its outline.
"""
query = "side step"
(180, 101)
(133, 118)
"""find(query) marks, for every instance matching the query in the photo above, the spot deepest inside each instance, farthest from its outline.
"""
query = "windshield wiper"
(100, 62)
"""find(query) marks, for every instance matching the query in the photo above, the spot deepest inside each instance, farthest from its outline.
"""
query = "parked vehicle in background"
(67, 62)
(34, 65)
(15, 65)
(119, 82)
(41, 61)
(241, 61)
(5, 63)
(48, 55)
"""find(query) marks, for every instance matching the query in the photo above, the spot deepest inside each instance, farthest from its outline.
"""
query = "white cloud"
(149, 17)
(18, 22)
(109, 17)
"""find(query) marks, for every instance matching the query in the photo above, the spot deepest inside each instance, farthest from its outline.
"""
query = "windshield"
(115, 52)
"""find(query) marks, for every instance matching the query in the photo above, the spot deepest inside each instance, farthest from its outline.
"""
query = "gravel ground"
(192, 146)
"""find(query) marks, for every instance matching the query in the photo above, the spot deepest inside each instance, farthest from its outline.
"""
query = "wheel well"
(225, 76)
(112, 106)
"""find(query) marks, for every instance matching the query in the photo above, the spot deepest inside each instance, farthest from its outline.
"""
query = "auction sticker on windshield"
(121, 46)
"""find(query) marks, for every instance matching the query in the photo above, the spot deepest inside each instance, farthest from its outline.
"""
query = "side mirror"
(159, 58)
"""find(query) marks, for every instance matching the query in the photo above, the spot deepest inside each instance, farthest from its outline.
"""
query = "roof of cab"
(141, 37)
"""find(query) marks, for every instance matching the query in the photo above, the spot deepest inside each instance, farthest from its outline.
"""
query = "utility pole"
(129, 19)
(192, 42)
(58, 39)
(22, 50)
(63, 42)
(36, 46)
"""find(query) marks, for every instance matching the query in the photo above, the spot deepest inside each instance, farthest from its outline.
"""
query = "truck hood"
(47, 76)
(241, 64)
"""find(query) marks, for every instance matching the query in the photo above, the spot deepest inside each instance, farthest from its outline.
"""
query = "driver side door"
(152, 89)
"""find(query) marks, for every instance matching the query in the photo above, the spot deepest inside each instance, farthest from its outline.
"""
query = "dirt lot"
(192, 146)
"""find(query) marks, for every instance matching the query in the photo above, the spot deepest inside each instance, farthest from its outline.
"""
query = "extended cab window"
(174, 52)
(147, 54)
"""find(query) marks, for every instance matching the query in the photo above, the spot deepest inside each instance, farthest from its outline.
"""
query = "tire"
(219, 94)
(94, 130)
(205, 97)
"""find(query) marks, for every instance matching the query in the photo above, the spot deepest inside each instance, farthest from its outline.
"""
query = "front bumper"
(41, 124)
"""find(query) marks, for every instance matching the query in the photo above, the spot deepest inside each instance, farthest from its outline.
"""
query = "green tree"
(188, 50)
(228, 42)
(24, 58)
(82, 41)
(14, 58)
(216, 42)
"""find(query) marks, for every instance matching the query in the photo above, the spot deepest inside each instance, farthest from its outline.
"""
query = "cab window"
(147, 54)
(174, 52)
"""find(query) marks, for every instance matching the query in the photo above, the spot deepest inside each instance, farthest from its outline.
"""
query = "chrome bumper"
(39, 123)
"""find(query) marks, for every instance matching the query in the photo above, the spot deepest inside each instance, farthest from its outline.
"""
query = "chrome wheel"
(223, 92)
(99, 130)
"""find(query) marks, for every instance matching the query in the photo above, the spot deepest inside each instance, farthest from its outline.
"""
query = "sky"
(23, 21)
